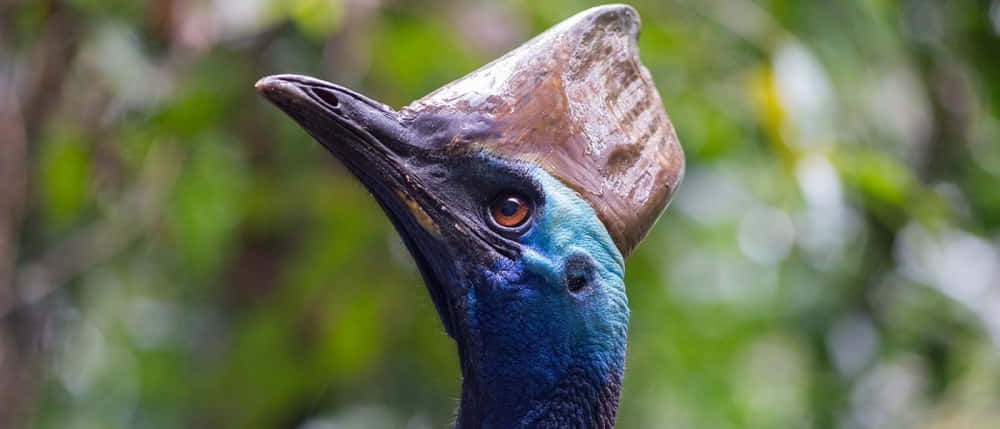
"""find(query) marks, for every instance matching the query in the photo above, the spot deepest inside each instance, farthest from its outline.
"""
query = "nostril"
(328, 97)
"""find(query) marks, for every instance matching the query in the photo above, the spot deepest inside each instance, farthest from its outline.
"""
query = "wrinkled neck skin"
(534, 354)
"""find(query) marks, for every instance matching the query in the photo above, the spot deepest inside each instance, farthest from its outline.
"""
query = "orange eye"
(510, 210)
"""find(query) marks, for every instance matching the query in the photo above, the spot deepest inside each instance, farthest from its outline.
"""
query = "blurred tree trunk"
(13, 182)
(23, 107)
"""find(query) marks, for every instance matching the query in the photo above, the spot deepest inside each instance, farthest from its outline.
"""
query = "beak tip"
(266, 84)
(278, 89)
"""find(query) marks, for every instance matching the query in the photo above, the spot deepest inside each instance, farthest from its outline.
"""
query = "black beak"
(375, 146)
(362, 133)
(365, 135)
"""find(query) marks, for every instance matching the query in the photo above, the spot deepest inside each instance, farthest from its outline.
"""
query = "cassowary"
(519, 190)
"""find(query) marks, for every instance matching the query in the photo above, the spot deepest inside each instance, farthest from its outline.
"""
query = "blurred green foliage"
(188, 257)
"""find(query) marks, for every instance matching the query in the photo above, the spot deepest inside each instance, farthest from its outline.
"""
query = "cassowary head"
(519, 189)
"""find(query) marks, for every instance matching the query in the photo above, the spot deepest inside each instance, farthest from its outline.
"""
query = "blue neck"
(536, 355)
(583, 398)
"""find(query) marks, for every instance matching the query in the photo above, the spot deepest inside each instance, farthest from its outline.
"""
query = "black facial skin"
(400, 161)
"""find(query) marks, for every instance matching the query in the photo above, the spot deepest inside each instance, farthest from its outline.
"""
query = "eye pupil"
(510, 210)
(510, 206)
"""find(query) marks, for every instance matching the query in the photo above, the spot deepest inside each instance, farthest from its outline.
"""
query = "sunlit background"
(174, 252)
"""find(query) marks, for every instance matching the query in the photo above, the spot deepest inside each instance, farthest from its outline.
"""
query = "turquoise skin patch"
(567, 229)
(568, 224)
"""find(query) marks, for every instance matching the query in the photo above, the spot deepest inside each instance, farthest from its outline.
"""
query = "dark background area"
(174, 252)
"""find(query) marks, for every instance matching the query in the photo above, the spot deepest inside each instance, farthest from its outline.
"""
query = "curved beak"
(375, 146)
(364, 134)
